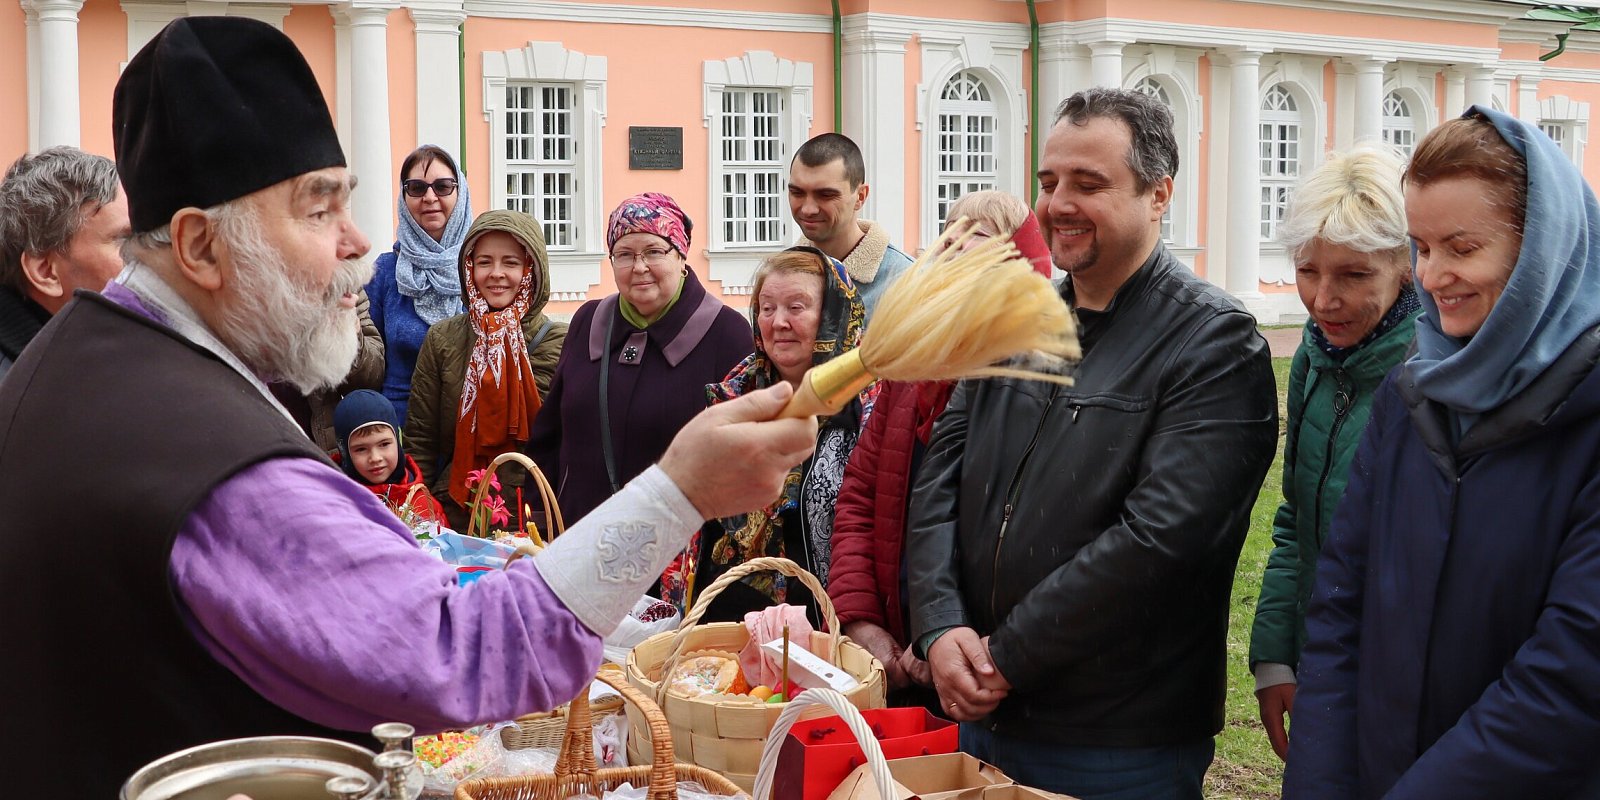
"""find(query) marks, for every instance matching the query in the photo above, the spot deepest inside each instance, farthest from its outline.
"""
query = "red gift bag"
(819, 753)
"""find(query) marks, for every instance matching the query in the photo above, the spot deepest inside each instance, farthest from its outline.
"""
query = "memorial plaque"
(655, 148)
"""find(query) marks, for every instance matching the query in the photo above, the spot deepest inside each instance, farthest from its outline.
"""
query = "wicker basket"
(726, 733)
(576, 773)
(554, 524)
(547, 730)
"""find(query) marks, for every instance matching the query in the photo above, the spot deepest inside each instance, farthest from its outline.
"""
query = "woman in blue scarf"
(1454, 632)
(417, 284)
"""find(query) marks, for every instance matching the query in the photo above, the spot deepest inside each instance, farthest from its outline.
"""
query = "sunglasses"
(444, 187)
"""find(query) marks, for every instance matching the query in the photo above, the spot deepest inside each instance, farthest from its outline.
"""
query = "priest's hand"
(732, 458)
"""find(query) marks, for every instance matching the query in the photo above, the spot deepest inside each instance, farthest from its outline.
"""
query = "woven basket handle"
(577, 746)
(703, 603)
(852, 719)
(553, 525)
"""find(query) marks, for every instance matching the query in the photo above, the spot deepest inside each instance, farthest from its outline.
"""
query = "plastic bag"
(761, 667)
(487, 757)
(648, 618)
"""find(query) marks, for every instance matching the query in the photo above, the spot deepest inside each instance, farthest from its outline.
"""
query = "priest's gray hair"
(44, 199)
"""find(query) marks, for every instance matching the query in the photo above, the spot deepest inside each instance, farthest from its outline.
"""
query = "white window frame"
(1176, 70)
(734, 263)
(1571, 118)
(751, 155)
(1400, 129)
(1279, 166)
(576, 267)
(974, 168)
(1150, 86)
(546, 161)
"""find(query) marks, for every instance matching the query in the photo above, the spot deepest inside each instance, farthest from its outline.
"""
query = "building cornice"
(1214, 37)
(1482, 12)
(1003, 34)
(617, 14)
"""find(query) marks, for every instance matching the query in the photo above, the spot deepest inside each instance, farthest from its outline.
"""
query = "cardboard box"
(944, 777)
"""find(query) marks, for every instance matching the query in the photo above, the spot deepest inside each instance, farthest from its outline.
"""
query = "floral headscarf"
(499, 398)
(760, 533)
(651, 212)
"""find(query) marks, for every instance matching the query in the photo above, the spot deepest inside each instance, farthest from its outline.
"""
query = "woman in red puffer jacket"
(866, 576)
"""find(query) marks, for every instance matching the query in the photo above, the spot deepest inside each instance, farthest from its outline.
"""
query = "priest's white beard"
(284, 330)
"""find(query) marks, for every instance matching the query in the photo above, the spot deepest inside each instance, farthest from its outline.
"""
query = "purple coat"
(654, 390)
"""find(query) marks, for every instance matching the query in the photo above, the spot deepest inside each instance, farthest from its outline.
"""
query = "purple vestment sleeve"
(310, 590)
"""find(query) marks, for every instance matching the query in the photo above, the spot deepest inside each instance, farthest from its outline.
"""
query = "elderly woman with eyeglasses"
(417, 284)
(636, 362)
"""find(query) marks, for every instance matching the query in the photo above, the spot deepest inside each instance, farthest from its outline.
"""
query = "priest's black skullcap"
(212, 109)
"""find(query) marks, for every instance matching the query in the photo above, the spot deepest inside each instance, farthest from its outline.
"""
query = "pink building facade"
(544, 102)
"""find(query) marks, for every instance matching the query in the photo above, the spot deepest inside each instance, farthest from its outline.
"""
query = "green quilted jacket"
(1329, 403)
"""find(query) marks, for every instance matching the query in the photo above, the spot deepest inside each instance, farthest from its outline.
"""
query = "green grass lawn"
(1246, 767)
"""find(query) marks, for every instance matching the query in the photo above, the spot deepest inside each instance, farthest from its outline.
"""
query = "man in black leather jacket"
(1072, 549)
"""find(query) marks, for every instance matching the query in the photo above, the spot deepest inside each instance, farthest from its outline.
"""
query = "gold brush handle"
(827, 388)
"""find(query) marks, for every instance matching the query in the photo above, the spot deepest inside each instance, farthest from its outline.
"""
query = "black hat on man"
(213, 109)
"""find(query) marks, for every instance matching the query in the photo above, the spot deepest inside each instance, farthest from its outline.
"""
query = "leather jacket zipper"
(1012, 493)
(1344, 400)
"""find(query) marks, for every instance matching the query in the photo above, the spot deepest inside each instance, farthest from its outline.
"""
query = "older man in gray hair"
(62, 219)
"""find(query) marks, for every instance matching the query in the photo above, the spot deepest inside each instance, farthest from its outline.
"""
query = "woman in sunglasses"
(636, 369)
(416, 285)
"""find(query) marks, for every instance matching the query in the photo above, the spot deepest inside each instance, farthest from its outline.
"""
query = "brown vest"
(112, 429)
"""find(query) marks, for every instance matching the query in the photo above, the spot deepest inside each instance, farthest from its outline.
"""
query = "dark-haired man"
(1072, 548)
(827, 187)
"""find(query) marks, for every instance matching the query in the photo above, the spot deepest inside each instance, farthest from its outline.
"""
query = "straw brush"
(952, 315)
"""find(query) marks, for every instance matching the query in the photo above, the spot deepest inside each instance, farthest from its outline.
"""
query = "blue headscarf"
(1552, 298)
(427, 271)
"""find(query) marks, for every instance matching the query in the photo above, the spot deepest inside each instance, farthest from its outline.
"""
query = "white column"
(1528, 99)
(58, 72)
(1480, 87)
(439, 74)
(1244, 176)
(1369, 98)
(1455, 93)
(31, 22)
(875, 118)
(1063, 69)
(1105, 64)
(370, 158)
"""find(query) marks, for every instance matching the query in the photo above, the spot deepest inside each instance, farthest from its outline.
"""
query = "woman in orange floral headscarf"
(481, 376)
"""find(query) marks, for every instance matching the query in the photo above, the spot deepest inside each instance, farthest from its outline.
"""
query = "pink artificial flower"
(498, 514)
(476, 475)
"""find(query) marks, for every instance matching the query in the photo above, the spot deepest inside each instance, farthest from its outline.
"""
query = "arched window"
(967, 123)
(1153, 88)
(1279, 156)
(1399, 126)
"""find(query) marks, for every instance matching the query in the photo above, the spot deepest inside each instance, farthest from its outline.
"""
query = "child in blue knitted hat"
(370, 452)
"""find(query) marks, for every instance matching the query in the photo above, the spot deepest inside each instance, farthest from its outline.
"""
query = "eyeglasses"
(444, 187)
(651, 258)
